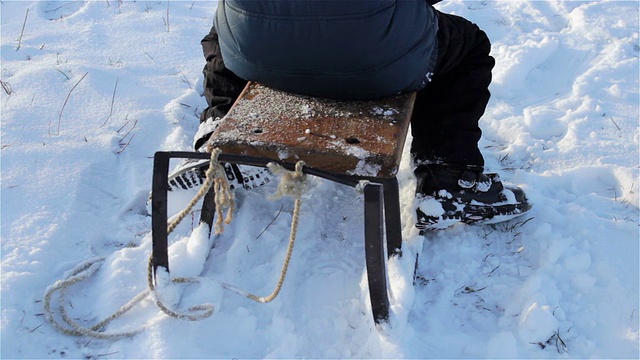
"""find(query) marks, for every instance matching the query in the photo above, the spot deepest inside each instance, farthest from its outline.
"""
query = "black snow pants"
(445, 119)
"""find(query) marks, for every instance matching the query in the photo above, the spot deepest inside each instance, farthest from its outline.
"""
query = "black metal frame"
(381, 216)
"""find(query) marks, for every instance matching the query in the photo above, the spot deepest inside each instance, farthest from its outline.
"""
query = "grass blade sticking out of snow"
(22, 31)
(65, 104)
(113, 98)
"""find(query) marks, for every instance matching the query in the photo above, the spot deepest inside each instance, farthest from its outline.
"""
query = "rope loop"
(82, 272)
(292, 183)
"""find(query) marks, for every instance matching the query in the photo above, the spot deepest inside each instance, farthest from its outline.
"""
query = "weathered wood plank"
(363, 138)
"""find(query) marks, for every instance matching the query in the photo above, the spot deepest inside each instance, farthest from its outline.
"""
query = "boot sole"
(473, 215)
(194, 175)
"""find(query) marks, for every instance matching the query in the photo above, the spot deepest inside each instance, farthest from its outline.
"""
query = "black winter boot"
(447, 195)
(191, 172)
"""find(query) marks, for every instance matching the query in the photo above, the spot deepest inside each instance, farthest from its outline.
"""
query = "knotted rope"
(292, 184)
(214, 176)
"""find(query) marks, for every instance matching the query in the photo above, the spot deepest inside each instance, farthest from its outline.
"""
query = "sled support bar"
(374, 251)
(381, 216)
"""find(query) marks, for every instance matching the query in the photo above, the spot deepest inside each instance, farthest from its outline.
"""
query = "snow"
(92, 89)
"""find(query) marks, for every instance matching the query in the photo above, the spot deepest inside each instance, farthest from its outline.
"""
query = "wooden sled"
(342, 141)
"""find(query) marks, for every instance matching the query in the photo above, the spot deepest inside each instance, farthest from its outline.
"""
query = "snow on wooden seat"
(361, 138)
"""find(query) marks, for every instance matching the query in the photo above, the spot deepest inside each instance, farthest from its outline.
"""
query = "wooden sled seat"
(358, 138)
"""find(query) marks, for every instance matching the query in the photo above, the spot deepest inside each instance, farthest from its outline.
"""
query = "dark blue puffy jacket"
(343, 49)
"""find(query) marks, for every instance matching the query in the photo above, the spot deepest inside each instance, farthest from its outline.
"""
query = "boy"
(368, 49)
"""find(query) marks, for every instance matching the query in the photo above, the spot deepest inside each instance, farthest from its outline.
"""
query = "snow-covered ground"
(91, 89)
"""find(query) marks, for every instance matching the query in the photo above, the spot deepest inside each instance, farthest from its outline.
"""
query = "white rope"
(215, 176)
(77, 274)
(292, 184)
(86, 270)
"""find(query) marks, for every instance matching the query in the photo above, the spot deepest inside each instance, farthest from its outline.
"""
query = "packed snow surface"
(92, 89)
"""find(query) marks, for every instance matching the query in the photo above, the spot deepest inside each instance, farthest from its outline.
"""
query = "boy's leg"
(445, 119)
(451, 184)
(221, 86)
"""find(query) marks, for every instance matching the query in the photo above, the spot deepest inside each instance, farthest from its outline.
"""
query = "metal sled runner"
(342, 141)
